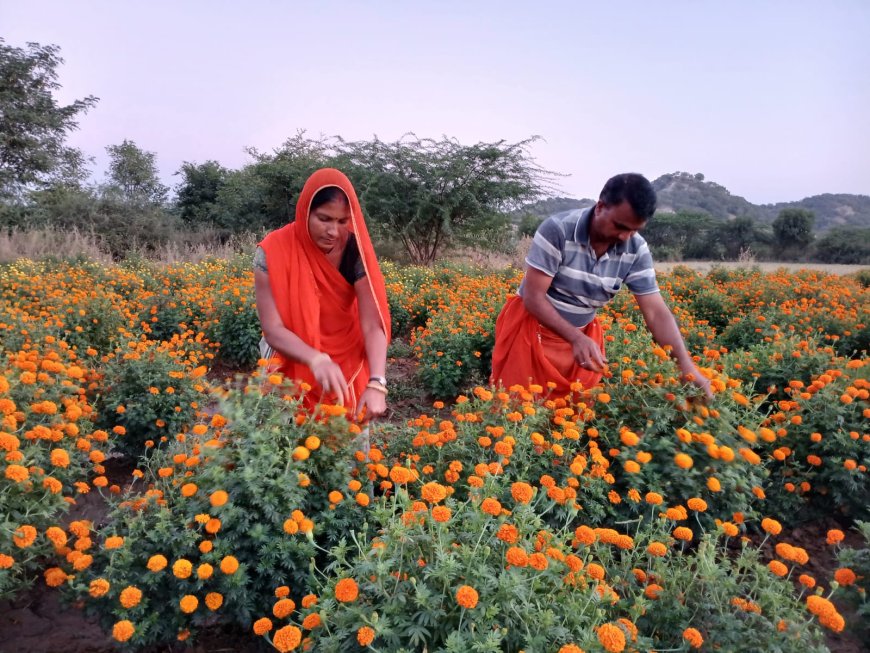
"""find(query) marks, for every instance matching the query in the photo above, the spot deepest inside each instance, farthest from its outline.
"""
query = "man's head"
(626, 203)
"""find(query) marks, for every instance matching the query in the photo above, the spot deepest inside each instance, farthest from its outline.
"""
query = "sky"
(770, 99)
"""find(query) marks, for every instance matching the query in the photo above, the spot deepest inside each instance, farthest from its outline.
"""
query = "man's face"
(615, 223)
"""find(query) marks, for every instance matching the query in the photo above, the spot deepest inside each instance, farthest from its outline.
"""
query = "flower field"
(625, 517)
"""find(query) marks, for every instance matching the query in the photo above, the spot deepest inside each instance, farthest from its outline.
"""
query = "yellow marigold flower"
(123, 630)
(130, 596)
(771, 526)
(182, 568)
(214, 600)
(522, 492)
(55, 577)
(693, 637)
(188, 603)
(467, 597)
(262, 626)
(283, 607)
(229, 565)
(287, 638)
(98, 587)
(346, 590)
(611, 637)
(657, 549)
(365, 636)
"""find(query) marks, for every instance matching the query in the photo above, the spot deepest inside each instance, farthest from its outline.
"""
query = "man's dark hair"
(632, 188)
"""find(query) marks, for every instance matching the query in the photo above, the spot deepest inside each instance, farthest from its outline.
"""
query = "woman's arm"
(327, 373)
(373, 400)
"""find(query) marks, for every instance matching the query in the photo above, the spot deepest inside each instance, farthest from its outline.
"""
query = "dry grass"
(767, 266)
(38, 244)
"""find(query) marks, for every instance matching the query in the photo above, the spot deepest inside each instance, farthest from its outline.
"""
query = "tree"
(735, 238)
(679, 235)
(133, 175)
(844, 245)
(197, 194)
(793, 229)
(33, 126)
(429, 194)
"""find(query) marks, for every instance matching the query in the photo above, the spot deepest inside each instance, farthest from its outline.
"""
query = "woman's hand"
(329, 375)
(587, 353)
(373, 403)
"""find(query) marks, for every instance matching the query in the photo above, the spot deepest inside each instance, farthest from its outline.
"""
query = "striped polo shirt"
(582, 282)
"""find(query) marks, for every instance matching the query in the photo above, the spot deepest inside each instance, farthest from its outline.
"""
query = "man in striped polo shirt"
(549, 332)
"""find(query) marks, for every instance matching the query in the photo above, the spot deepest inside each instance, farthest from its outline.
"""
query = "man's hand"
(329, 375)
(587, 353)
(690, 372)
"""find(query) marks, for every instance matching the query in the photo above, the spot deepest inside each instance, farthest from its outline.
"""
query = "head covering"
(314, 300)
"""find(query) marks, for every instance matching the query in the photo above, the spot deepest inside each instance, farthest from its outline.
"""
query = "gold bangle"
(318, 357)
(374, 385)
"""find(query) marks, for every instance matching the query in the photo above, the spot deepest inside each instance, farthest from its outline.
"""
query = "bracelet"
(380, 379)
(377, 386)
(320, 356)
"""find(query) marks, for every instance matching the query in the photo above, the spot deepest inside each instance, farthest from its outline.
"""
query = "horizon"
(768, 101)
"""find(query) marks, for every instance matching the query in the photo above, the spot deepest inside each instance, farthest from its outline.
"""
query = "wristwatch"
(380, 379)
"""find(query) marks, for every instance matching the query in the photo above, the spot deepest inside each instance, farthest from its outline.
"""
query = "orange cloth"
(528, 352)
(314, 300)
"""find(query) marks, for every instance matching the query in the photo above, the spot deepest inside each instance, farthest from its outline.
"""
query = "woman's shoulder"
(260, 260)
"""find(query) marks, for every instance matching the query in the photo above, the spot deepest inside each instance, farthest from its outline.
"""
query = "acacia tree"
(429, 194)
(33, 126)
(793, 229)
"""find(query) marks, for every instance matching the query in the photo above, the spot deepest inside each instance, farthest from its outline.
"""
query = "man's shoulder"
(566, 223)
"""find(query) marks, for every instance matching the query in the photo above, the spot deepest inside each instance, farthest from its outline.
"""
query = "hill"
(692, 193)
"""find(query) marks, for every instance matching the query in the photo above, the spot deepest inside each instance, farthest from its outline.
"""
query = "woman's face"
(327, 224)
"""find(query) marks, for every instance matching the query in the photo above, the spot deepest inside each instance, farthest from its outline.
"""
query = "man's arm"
(663, 327)
(586, 351)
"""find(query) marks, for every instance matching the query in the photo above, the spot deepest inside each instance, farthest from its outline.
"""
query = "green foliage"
(431, 194)
(133, 175)
(147, 391)
(237, 327)
(793, 229)
(33, 126)
(197, 193)
(844, 245)
(678, 236)
(858, 560)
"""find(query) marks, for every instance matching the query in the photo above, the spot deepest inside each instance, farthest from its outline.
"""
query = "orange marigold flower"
(585, 535)
(729, 529)
(17, 473)
(845, 576)
(365, 636)
(346, 590)
(98, 587)
(433, 492)
(6, 561)
(123, 630)
(218, 498)
(612, 637)
(683, 461)
(777, 568)
(835, 536)
(287, 638)
(181, 568)
(204, 571)
(595, 571)
(508, 533)
(694, 638)
(683, 533)
(229, 565)
(652, 591)
(466, 596)
(538, 561)
(522, 492)
(283, 607)
(311, 621)
(308, 600)
(24, 536)
(441, 514)
(114, 542)
(55, 577)
(654, 498)
(570, 648)
(130, 596)
(262, 626)
(516, 556)
(158, 563)
(696, 504)
(771, 526)
(657, 549)
(491, 507)
(188, 489)
(188, 603)
(807, 581)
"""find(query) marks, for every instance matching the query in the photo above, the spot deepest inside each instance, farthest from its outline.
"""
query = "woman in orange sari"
(322, 301)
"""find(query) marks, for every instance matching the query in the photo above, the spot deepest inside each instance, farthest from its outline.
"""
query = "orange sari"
(527, 352)
(315, 301)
